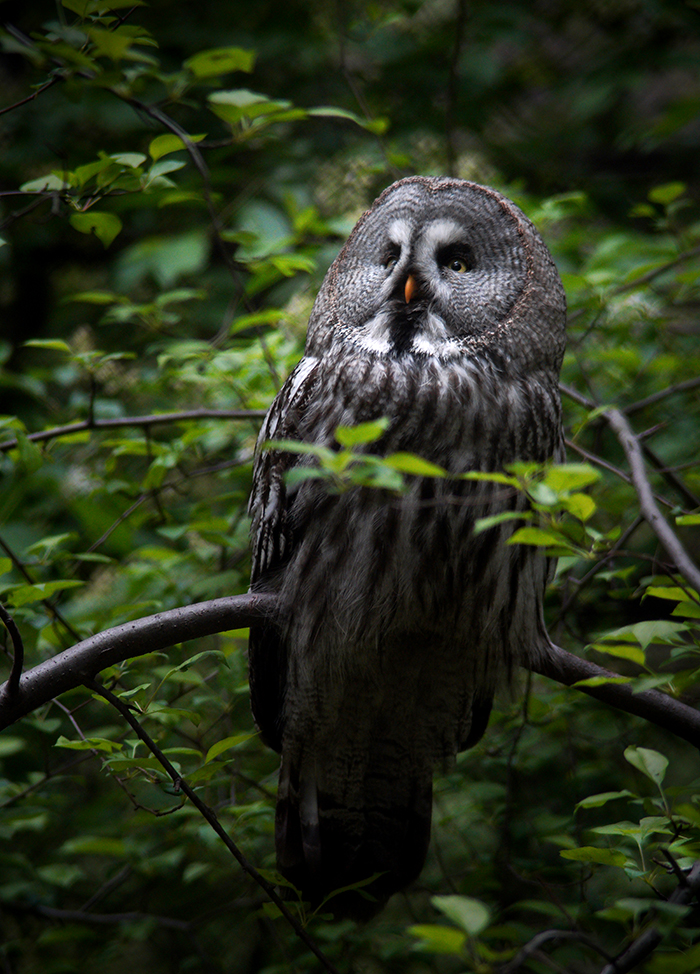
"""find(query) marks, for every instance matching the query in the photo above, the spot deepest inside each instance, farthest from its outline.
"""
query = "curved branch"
(647, 943)
(18, 647)
(73, 667)
(652, 705)
(82, 662)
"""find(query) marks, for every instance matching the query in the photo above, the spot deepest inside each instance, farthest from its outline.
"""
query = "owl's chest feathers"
(374, 570)
(471, 412)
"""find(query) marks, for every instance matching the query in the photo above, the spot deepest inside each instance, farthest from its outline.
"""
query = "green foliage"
(166, 225)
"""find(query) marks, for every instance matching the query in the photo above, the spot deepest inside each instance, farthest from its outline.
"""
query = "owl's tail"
(376, 843)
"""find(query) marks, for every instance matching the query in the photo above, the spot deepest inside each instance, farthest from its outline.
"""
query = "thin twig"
(98, 919)
(647, 504)
(533, 946)
(122, 421)
(662, 394)
(213, 821)
(647, 942)
(47, 84)
(18, 657)
(49, 605)
(657, 271)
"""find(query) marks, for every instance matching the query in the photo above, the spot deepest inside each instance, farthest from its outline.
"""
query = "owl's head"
(444, 268)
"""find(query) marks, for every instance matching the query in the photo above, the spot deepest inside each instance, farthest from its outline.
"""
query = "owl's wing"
(275, 529)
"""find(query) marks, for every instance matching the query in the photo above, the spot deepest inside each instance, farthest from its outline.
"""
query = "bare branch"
(18, 647)
(648, 507)
(533, 947)
(659, 708)
(83, 661)
(47, 84)
(213, 821)
(657, 271)
(662, 394)
(647, 943)
(98, 919)
(152, 420)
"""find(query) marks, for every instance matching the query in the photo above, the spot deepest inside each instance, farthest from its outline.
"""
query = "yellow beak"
(411, 287)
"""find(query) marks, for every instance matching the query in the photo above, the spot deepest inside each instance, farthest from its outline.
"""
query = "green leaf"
(241, 104)
(469, 914)
(595, 801)
(164, 145)
(606, 857)
(580, 506)
(622, 651)
(26, 594)
(411, 464)
(687, 610)
(85, 7)
(486, 523)
(688, 519)
(570, 476)
(54, 344)
(205, 654)
(535, 536)
(438, 939)
(118, 764)
(105, 226)
(651, 763)
(226, 744)
(667, 193)
(655, 630)
(11, 745)
(94, 845)
(686, 961)
(220, 60)
(132, 160)
(95, 297)
(89, 744)
(600, 681)
(50, 182)
(667, 592)
(376, 125)
(110, 43)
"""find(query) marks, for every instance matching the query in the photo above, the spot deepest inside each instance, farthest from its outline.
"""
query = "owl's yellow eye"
(391, 262)
(456, 257)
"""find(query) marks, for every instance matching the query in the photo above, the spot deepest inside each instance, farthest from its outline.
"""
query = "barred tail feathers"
(326, 842)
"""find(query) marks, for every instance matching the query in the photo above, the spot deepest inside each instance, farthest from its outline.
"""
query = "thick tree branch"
(80, 664)
(83, 661)
(652, 705)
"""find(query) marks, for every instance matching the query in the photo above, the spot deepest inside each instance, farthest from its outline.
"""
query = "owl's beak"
(411, 287)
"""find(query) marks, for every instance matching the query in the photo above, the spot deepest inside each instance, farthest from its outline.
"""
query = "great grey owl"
(445, 314)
